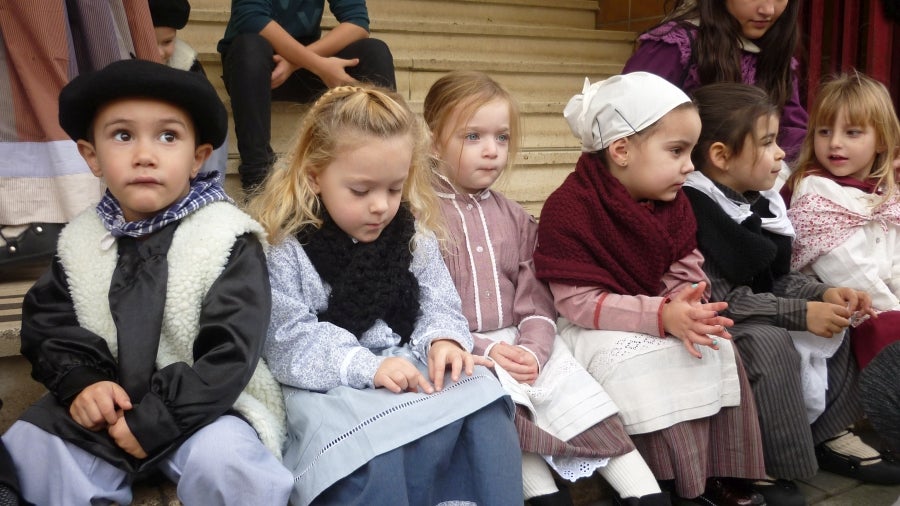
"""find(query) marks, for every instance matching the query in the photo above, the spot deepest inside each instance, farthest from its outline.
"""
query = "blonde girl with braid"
(386, 404)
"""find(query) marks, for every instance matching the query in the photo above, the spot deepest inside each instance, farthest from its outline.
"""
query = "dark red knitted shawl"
(592, 233)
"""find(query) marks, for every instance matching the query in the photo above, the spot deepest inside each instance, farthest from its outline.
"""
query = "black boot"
(780, 492)
(881, 472)
(658, 499)
(730, 492)
(559, 498)
(34, 245)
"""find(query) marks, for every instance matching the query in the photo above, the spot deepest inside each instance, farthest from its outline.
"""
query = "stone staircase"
(541, 50)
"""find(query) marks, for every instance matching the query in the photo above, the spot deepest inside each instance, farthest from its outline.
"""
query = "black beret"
(170, 13)
(190, 91)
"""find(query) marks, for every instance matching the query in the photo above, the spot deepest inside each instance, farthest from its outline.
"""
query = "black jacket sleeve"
(64, 356)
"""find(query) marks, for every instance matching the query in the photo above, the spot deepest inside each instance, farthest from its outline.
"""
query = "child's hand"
(96, 406)
(447, 351)
(826, 319)
(691, 320)
(400, 375)
(857, 301)
(333, 70)
(283, 69)
(517, 361)
(123, 437)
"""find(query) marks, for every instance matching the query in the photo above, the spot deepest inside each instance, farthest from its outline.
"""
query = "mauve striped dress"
(489, 258)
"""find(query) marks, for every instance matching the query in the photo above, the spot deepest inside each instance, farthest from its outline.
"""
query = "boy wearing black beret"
(147, 329)
(169, 16)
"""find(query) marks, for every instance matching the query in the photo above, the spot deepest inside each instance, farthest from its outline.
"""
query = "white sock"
(537, 479)
(630, 475)
(850, 444)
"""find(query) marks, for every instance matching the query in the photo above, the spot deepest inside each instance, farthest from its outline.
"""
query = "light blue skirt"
(332, 434)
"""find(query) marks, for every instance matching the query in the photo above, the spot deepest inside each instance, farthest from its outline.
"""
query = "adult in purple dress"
(707, 41)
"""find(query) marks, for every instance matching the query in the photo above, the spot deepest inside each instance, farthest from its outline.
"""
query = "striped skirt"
(727, 444)
(565, 415)
(689, 419)
(773, 367)
(43, 45)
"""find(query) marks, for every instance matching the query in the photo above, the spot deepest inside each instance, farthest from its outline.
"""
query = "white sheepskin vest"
(183, 57)
(198, 254)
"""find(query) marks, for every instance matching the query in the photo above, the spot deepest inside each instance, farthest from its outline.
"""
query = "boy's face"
(165, 41)
(145, 151)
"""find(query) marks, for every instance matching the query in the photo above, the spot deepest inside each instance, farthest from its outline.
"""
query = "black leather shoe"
(36, 243)
(729, 492)
(882, 473)
(658, 499)
(891, 457)
(559, 498)
(780, 492)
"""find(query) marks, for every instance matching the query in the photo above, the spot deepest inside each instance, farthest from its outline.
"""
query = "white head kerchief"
(620, 106)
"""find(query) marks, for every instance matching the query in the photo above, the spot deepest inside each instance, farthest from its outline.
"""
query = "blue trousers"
(222, 463)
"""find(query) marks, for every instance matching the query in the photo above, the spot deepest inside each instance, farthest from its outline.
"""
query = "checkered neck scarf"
(205, 189)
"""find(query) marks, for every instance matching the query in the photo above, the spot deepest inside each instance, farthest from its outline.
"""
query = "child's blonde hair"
(462, 93)
(867, 103)
(343, 117)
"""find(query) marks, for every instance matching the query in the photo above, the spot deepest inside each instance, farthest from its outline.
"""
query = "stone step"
(538, 50)
(531, 179)
(439, 39)
(538, 82)
(13, 286)
(549, 82)
(542, 95)
(515, 43)
(538, 13)
(542, 124)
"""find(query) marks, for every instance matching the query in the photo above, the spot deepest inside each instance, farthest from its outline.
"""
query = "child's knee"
(228, 457)
(222, 443)
(244, 53)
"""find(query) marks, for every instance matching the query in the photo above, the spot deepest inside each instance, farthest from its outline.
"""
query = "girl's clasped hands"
(694, 321)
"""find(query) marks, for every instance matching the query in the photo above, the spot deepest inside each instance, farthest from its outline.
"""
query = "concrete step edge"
(203, 17)
(586, 5)
(502, 66)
